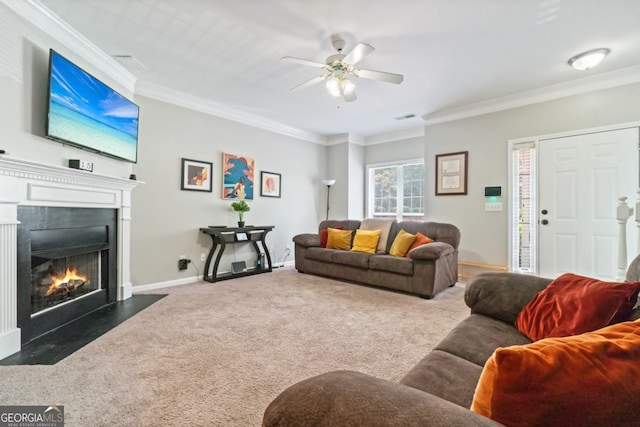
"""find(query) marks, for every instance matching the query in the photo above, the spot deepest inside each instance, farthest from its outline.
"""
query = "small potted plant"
(241, 207)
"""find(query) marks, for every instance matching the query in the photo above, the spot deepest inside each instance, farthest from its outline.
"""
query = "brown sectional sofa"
(430, 268)
(438, 391)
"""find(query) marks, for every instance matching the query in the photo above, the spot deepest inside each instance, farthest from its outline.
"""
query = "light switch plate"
(493, 207)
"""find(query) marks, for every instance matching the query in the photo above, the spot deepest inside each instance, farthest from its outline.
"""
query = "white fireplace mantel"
(23, 182)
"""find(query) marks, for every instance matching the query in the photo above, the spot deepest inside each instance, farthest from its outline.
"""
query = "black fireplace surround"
(51, 239)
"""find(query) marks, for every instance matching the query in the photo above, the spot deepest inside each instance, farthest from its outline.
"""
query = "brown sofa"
(439, 390)
(430, 268)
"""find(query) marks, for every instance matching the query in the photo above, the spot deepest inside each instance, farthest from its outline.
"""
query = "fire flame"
(58, 281)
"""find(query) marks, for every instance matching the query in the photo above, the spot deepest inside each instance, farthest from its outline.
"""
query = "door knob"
(544, 212)
(544, 222)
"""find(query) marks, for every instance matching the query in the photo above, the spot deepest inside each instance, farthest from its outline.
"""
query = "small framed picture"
(270, 184)
(451, 173)
(241, 237)
(196, 175)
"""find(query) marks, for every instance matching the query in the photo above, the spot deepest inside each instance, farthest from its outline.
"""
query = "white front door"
(580, 180)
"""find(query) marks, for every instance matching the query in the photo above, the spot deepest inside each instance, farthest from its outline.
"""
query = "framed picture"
(196, 175)
(270, 184)
(451, 173)
(237, 177)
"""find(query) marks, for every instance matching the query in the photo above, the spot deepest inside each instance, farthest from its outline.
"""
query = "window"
(396, 190)
(523, 208)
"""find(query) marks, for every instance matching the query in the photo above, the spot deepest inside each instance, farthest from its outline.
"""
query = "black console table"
(223, 235)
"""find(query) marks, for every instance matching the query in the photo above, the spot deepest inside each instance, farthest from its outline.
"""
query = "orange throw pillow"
(591, 379)
(421, 239)
(574, 304)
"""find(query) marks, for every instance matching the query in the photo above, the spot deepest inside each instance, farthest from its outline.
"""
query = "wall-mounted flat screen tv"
(86, 113)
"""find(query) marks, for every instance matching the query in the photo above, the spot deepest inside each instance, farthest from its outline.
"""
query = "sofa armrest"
(307, 240)
(344, 398)
(502, 295)
(431, 251)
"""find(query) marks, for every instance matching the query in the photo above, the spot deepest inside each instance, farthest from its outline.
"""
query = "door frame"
(510, 190)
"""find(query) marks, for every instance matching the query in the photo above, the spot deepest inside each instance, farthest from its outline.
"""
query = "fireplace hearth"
(67, 265)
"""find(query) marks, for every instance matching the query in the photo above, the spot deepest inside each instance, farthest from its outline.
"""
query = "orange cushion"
(574, 304)
(421, 239)
(591, 379)
(339, 239)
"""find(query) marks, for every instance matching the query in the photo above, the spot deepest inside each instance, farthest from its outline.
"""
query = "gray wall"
(166, 220)
(485, 234)
(406, 149)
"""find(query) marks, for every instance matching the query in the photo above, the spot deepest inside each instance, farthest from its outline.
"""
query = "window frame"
(370, 189)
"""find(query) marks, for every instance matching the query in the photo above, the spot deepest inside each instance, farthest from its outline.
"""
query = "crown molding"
(612, 79)
(37, 14)
(171, 96)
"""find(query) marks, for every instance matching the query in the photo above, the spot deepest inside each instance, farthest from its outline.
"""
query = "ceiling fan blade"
(311, 82)
(358, 53)
(303, 62)
(351, 96)
(379, 75)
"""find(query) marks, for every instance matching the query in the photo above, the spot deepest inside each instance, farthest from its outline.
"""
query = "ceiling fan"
(339, 67)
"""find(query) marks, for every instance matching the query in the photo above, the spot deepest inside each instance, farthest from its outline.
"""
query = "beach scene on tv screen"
(85, 111)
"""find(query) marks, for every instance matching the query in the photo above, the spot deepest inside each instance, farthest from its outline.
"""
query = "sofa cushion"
(589, 380)
(353, 259)
(573, 304)
(386, 228)
(445, 375)
(391, 263)
(366, 241)
(402, 243)
(321, 254)
(339, 239)
(421, 239)
(477, 336)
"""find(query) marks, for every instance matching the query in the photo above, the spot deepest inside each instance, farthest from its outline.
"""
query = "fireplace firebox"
(67, 265)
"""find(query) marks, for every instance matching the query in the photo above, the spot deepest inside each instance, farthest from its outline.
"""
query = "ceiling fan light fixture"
(333, 86)
(589, 59)
(347, 86)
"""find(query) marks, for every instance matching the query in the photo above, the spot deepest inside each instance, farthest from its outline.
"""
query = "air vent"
(408, 116)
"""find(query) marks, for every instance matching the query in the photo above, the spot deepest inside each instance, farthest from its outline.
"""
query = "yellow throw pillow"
(402, 243)
(339, 239)
(366, 241)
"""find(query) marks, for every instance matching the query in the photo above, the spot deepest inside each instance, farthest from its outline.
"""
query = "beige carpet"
(217, 354)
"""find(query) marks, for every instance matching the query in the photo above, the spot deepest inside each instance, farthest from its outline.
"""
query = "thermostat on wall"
(81, 164)
(493, 191)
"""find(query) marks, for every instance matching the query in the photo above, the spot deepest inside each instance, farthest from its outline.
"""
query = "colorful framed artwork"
(237, 177)
(270, 184)
(451, 173)
(196, 175)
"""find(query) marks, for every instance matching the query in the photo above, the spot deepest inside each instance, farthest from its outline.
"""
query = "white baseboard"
(186, 281)
(10, 343)
(167, 284)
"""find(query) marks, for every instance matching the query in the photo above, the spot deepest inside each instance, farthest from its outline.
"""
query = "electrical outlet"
(182, 257)
(288, 246)
(183, 263)
(203, 257)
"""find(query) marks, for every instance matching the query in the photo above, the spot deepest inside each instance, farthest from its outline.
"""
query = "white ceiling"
(453, 53)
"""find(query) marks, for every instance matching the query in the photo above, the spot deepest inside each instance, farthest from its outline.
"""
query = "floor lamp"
(328, 183)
